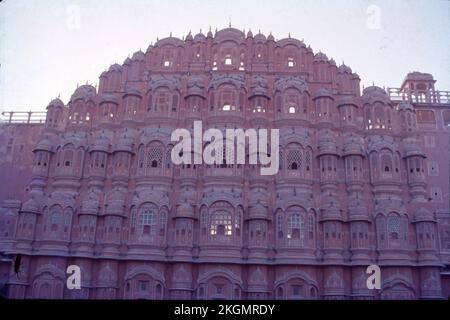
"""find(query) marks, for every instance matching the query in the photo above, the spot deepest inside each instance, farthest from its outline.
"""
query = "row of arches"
(217, 284)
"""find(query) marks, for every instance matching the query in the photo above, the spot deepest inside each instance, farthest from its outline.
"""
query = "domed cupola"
(200, 37)
(249, 34)
(31, 206)
(149, 48)
(185, 210)
(115, 68)
(320, 57)
(90, 204)
(373, 93)
(323, 92)
(44, 145)
(108, 98)
(270, 37)
(412, 149)
(327, 144)
(56, 103)
(422, 215)
(100, 144)
(378, 110)
(260, 38)
(189, 37)
(210, 34)
(55, 111)
(344, 69)
(138, 56)
(353, 146)
(85, 93)
(127, 62)
(125, 144)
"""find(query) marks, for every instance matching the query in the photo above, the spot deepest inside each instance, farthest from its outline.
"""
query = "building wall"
(362, 180)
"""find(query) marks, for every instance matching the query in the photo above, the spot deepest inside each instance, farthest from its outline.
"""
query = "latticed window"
(394, 227)
(163, 218)
(162, 102)
(237, 221)
(311, 225)
(221, 224)
(308, 160)
(294, 160)
(296, 226)
(55, 220)
(133, 217)
(380, 227)
(154, 157)
(280, 226)
(147, 221)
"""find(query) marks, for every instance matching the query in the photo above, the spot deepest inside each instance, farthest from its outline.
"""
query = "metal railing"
(29, 117)
(437, 97)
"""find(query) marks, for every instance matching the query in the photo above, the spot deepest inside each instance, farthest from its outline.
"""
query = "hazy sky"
(48, 46)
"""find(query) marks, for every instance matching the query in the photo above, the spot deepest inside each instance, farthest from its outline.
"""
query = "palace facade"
(363, 179)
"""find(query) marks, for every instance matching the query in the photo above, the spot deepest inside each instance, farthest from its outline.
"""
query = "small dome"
(45, 145)
(90, 203)
(115, 68)
(210, 34)
(185, 210)
(412, 149)
(150, 47)
(373, 93)
(124, 144)
(332, 62)
(85, 92)
(138, 56)
(56, 103)
(270, 37)
(422, 215)
(108, 97)
(189, 37)
(127, 61)
(320, 57)
(323, 92)
(133, 91)
(260, 37)
(327, 144)
(30, 206)
(353, 146)
(199, 37)
(101, 144)
(344, 69)
(249, 34)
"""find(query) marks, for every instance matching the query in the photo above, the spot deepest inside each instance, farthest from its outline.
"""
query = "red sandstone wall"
(16, 158)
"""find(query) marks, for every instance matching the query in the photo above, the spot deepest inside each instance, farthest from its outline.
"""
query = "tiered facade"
(363, 179)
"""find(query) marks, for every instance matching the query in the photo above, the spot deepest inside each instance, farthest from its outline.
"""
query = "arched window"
(221, 224)
(154, 157)
(147, 221)
(311, 226)
(394, 227)
(296, 226)
(294, 161)
(280, 225)
(55, 220)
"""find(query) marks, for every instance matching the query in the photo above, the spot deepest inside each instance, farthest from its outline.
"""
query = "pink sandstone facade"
(363, 179)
